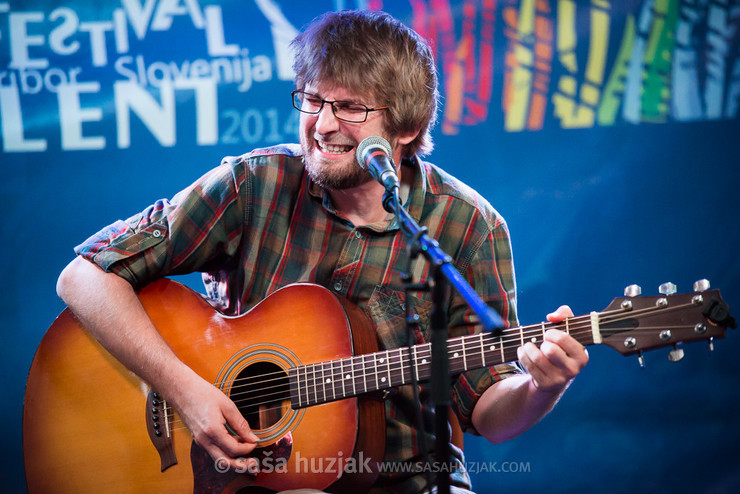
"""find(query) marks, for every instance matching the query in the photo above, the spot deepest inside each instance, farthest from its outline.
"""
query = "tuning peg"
(641, 360)
(667, 288)
(632, 291)
(676, 354)
(701, 285)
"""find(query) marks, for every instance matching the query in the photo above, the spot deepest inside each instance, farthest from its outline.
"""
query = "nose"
(326, 122)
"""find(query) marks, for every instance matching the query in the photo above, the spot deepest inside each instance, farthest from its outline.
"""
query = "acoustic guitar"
(302, 366)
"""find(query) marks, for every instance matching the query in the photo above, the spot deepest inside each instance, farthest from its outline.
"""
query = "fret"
(337, 378)
(375, 368)
(295, 385)
(343, 391)
(295, 395)
(400, 361)
(352, 367)
(315, 383)
(416, 363)
(390, 381)
(379, 371)
(364, 375)
(323, 383)
(501, 346)
(473, 350)
(332, 380)
(403, 358)
(521, 336)
(567, 325)
(315, 388)
(388, 368)
(356, 374)
(482, 351)
(410, 358)
(424, 362)
(543, 331)
(305, 385)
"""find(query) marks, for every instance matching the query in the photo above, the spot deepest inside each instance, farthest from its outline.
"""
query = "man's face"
(329, 144)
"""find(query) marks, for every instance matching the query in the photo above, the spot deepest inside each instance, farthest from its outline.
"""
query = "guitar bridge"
(158, 427)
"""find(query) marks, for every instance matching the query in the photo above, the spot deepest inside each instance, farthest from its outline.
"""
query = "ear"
(401, 141)
(404, 139)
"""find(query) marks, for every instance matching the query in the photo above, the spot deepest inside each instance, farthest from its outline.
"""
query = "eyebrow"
(315, 93)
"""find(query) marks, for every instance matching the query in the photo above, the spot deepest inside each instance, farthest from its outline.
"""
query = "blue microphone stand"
(442, 272)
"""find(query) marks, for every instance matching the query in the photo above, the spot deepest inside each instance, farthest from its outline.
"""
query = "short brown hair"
(370, 51)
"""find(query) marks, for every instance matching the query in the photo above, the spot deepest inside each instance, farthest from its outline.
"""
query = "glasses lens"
(350, 112)
(297, 99)
(310, 103)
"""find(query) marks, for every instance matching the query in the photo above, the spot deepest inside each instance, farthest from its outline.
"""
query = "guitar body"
(87, 421)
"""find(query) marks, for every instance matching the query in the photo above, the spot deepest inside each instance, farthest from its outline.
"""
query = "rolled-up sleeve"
(197, 230)
(491, 273)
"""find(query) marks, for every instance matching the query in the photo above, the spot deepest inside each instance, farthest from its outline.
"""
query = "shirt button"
(338, 286)
(156, 234)
(358, 234)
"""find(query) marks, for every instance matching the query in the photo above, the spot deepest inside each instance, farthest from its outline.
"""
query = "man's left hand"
(557, 361)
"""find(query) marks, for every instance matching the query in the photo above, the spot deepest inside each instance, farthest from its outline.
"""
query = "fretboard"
(323, 382)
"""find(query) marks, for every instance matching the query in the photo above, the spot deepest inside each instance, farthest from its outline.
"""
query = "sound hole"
(262, 394)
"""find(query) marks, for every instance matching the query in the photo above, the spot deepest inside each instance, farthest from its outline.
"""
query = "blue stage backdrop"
(605, 132)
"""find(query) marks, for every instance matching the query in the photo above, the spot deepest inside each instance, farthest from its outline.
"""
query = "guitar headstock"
(634, 323)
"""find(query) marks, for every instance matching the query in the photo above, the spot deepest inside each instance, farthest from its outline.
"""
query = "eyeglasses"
(343, 110)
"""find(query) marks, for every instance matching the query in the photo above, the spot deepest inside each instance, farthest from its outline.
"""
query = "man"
(281, 215)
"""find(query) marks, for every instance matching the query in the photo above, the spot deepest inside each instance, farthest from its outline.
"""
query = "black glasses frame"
(298, 95)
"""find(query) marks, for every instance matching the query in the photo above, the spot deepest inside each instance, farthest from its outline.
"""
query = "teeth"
(333, 148)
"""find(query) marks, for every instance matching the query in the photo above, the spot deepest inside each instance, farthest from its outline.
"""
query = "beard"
(331, 177)
(336, 174)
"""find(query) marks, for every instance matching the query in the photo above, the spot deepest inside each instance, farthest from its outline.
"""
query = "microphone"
(374, 155)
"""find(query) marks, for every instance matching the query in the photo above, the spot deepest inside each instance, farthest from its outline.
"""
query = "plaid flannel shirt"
(257, 223)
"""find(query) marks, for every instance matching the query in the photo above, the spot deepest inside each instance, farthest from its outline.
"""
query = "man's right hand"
(206, 410)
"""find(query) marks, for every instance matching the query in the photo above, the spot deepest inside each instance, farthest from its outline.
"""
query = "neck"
(362, 205)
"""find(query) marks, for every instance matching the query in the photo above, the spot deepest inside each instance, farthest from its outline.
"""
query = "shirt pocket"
(387, 309)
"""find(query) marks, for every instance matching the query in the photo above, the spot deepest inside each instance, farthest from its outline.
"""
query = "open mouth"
(333, 148)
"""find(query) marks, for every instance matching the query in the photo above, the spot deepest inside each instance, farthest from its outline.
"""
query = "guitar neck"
(629, 325)
(322, 382)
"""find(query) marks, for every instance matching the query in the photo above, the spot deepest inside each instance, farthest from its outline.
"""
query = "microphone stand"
(442, 271)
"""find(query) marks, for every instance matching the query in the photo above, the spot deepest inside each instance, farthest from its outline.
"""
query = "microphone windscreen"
(370, 142)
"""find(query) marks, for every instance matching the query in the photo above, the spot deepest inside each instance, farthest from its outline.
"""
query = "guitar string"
(315, 383)
(461, 342)
(509, 334)
(316, 386)
(516, 335)
(455, 344)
